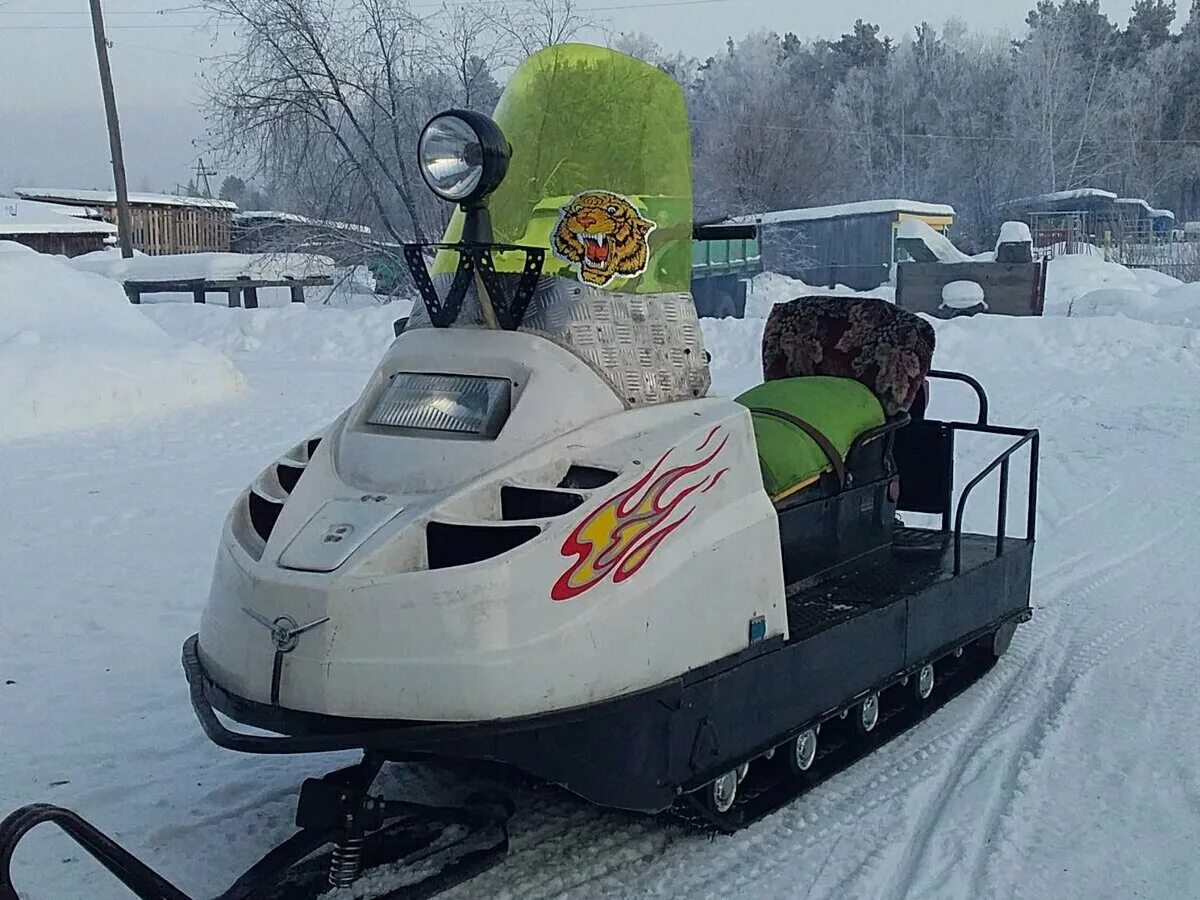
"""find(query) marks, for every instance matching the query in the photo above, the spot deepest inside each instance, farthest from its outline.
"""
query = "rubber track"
(763, 793)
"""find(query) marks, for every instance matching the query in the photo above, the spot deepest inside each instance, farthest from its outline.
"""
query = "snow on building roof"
(108, 198)
(1058, 196)
(1134, 201)
(27, 217)
(270, 215)
(845, 210)
(1149, 210)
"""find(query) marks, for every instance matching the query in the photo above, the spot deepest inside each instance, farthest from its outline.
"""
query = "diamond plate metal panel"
(648, 347)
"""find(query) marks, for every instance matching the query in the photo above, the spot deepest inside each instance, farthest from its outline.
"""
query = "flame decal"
(618, 538)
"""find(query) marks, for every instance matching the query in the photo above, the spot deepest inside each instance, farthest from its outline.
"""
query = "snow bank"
(1084, 285)
(212, 266)
(293, 333)
(1176, 306)
(75, 354)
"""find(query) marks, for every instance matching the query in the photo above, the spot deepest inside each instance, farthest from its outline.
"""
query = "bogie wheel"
(802, 751)
(1002, 637)
(867, 714)
(924, 685)
(722, 793)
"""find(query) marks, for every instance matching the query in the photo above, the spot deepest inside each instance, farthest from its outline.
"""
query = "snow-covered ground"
(212, 266)
(351, 286)
(1069, 772)
(74, 353)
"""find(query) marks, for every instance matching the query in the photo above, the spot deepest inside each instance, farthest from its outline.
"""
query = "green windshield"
(600, 175)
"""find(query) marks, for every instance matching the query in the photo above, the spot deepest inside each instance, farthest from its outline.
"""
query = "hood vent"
(586, 478)
(268, 494)
(517, 503)
(452, 545)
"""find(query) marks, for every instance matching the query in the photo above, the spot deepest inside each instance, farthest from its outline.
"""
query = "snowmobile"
(537, 541)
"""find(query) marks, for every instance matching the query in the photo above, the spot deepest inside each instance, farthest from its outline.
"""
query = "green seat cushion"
(839, 408)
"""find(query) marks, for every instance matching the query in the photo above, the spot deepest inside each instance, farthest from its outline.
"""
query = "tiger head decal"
(604, 235)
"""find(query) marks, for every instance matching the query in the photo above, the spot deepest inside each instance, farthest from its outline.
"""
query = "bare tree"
(534, 24)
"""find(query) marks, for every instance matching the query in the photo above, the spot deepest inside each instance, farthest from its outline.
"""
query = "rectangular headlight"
(467, 405)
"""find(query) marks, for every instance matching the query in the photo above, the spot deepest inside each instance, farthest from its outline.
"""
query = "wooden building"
(48, 228)
(853, 244)
(162, 223)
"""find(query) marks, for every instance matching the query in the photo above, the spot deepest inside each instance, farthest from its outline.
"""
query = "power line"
(166, 11)
(121, 45)
(897, 135)
(188, 25)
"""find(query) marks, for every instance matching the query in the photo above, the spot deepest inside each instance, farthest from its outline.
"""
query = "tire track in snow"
(1000, 703)
(770, 845)
(1067, 690)
(1041, 704)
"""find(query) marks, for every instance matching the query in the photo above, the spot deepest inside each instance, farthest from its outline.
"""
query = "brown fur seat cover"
(886, 348)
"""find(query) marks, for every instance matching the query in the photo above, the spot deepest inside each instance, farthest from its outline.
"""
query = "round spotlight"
(463, 156)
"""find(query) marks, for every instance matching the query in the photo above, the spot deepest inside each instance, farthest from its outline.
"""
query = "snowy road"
(1070, 771)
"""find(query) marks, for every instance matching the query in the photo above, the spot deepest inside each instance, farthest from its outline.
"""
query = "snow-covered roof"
(1060, 196)
(270, 215)
(108, 198)
(845, 210)
(1134, 201)
(27, 217)
(1146, 207)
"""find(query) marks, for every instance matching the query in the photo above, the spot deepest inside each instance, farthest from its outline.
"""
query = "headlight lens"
(463, 155)
(451, 158)
(467, 405)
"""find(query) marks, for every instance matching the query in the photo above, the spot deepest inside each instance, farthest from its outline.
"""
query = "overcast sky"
(52, 122)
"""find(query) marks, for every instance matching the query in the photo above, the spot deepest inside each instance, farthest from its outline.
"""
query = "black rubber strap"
(835, 458)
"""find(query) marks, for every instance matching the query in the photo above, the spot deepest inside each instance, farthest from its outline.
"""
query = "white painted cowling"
(515, 634)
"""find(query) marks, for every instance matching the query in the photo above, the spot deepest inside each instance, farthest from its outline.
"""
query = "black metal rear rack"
(1025, 436)
(925, 453)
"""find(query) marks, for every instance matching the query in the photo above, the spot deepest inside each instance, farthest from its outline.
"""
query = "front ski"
(412, 850)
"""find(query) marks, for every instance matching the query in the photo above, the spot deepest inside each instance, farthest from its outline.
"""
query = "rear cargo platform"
(918, 560)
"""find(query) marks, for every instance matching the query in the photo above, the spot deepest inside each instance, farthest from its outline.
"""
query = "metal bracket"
(472, 258)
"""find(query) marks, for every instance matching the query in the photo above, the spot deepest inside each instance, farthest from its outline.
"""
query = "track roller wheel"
(742, 771)
(722, 792)
(866, 714)
(1002, 637)
(924, 684)
(802, 751)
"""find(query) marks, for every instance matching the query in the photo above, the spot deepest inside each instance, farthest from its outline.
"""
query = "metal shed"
(852, 243)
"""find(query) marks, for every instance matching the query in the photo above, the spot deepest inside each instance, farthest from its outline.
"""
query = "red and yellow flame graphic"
(619, 537)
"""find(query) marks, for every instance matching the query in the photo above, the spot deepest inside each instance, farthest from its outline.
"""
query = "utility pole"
(202, 176)
(124, 227)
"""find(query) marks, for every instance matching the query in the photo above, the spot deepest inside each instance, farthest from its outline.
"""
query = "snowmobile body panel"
(851, 633)
(447, 608)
